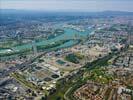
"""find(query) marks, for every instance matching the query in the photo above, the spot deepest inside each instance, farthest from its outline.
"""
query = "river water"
(68, 34)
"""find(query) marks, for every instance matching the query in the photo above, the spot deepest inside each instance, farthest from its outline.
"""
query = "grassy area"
(45, 47)
(79, 56)
(63, 85)
(8, 44)
(53, 45)
(74, 58)
(23, 81)
(69, 94)
(99, 75)
(15, 53)
(99, 62)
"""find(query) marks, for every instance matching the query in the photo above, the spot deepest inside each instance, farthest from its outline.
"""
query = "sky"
(69, 5)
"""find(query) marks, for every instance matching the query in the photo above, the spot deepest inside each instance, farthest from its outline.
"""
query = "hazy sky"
(68, 5)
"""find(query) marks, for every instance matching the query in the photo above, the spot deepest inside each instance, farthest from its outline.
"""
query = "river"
(68, 34)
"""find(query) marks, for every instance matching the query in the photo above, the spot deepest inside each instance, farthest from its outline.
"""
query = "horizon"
(66, 11)
(68, 6)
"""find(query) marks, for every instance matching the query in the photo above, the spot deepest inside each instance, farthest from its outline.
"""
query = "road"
(6, 73)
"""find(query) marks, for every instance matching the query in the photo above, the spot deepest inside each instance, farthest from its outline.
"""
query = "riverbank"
(69, 34)
(48, 47)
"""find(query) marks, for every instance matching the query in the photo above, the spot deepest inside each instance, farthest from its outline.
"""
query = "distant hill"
(46, 13)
